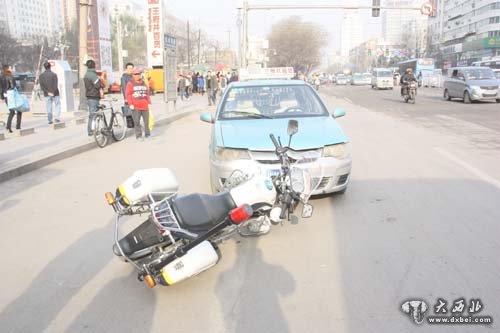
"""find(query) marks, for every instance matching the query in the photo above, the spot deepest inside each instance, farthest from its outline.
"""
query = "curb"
(70, 152)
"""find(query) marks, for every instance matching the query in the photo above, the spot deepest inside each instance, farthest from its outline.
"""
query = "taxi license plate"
(273, 172)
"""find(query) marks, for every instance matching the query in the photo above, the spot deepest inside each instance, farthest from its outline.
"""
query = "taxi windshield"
(479, 74)
(271, 102)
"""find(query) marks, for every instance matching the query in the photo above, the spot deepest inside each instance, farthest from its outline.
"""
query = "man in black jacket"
(93, 91)
(126, 77)
(406, 79)
(49, 86)
(7, 83)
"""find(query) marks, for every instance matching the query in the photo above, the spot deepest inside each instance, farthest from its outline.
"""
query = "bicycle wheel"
(119, 126)
(100, 131)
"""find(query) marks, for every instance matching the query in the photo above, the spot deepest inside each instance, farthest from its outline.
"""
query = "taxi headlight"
(475, 89)
(339, 151)
(229, 154)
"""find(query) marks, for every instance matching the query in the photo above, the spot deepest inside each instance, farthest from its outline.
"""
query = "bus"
(417, 65)
(421, 67)
(493, 64)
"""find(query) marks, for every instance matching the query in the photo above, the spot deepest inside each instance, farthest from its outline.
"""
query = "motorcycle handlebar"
(275, 142)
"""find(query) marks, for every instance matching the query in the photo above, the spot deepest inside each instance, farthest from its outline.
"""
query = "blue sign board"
(169, 41)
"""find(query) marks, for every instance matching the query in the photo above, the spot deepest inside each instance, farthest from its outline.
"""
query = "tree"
(296, 43)
(134, 40)
(69, 41)
(24, 57)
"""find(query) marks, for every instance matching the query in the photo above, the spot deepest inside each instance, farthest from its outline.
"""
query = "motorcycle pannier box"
(159, 181)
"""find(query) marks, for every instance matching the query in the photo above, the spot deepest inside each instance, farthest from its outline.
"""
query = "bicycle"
(116, 128)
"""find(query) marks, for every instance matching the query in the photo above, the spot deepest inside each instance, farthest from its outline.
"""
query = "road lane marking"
(348, 100)
(480, 174)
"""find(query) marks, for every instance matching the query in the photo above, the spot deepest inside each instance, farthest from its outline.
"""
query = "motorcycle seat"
(200, 212)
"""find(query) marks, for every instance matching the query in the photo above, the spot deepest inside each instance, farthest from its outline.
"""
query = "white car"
(382, 78)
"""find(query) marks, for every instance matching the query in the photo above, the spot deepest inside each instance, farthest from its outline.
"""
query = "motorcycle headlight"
(229, 154)
(338, 151)
(297, 180)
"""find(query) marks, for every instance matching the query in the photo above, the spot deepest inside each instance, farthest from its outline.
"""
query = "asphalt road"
(420, 220)
(430, 105)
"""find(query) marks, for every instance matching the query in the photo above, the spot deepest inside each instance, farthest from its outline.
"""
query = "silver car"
(472, 84)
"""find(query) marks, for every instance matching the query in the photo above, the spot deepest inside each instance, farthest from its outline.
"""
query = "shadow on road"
(27, 181)
(418, 238)
(58, 282)
(123, 304)
(249, 293)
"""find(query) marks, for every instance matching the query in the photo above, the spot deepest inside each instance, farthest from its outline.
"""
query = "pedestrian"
(8, 83)
(222, 84)
(49, 86)
(194, 79)
(139, 100)
(201, 84)
(210, 87)
(151, 84)
(126, 77)
(214, 82)
(188, 86)
(234, 77)
(93, 91)
(182, 87)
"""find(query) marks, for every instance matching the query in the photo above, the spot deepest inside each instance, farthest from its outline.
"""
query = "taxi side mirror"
(207, 117)
(338, 112)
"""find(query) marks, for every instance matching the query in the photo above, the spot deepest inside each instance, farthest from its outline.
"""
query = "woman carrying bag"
(7, 87)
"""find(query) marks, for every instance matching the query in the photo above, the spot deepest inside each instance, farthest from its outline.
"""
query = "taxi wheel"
(447, 95)
(498, 100)
(467, 98)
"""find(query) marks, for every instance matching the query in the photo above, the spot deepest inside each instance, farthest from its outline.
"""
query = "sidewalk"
(22, 154)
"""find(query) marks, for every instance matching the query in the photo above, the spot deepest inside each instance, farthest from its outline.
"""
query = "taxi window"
(271, 102)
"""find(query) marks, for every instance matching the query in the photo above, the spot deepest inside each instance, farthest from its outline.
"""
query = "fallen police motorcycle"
(180, 237)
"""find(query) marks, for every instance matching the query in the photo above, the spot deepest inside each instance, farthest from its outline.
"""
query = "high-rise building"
(396, 22)
(470, 31)
(69, 12)
(137, 8)
(351, 34)
(28, 19)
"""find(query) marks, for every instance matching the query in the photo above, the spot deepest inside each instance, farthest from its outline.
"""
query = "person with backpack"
(139, 100)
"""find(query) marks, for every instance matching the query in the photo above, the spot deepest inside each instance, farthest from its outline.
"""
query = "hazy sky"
(218, 16)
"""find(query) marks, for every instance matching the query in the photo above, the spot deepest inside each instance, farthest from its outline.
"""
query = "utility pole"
(84, 13)
(199, 45)
(189, 48)
(119, 42)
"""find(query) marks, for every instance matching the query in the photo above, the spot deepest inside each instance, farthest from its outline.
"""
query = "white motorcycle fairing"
(256, 190)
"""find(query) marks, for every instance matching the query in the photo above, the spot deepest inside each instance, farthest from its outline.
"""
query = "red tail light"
(241, 214)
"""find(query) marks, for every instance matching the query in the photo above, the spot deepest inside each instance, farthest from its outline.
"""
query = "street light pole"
(84, 12)
(119, 41)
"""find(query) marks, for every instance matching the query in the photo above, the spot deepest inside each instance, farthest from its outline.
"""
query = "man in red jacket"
(138, 99)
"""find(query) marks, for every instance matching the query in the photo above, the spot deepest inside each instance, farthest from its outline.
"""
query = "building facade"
(464, 31)
(351, 34)
(399, 25)
(470, 31)
(26, 20)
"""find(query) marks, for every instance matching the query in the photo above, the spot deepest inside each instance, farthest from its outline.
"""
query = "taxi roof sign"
(267, 73)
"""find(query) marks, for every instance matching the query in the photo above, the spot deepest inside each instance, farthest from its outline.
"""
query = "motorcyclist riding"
(406, 79)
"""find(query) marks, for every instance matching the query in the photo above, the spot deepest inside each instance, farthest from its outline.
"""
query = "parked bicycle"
(116, 128)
